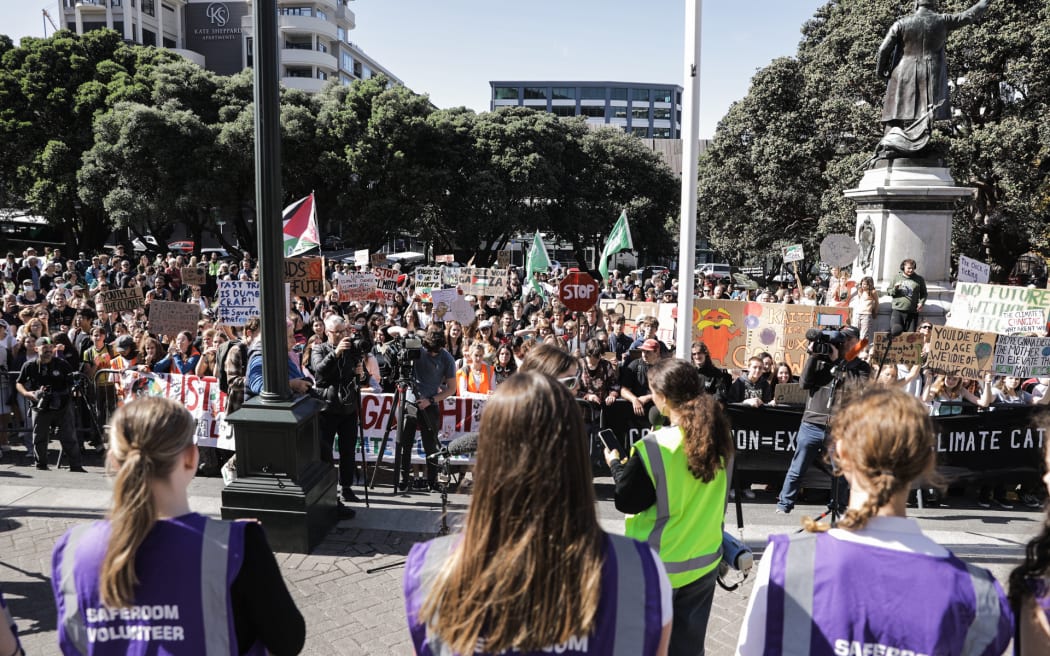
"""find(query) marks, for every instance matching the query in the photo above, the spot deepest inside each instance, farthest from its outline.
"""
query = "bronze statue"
(912, 57)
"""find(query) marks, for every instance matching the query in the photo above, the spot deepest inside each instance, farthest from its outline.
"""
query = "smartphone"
(611, 442)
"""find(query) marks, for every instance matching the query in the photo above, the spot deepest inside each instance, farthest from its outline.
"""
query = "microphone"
(813, 334)
(656, 419)
(856, 350)
(465, 444)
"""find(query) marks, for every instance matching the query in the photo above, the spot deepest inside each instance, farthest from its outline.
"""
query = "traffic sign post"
(578, 291)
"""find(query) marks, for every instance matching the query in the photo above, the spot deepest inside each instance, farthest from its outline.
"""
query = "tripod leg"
(386, 439)
(364, 461)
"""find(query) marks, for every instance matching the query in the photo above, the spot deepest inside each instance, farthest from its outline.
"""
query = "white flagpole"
(690, 152)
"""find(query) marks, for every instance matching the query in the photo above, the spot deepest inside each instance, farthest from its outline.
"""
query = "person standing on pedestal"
(908, 290)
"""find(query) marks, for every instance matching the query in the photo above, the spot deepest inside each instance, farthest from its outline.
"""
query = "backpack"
(220, 362)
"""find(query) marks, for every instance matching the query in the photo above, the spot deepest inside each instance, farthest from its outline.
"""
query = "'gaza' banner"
(200, 395)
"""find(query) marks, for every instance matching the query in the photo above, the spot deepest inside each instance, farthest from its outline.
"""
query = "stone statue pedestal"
(904, 210)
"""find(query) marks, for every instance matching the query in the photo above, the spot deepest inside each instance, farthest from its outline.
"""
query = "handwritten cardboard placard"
(445, 259)
(377, 259)
(720, 325)
(503, 259)
(238, 301)
(906, 349)
(971, 270)
(361, 258)
(173, 317)
(982, 307)
(356, 287)
(449, 305)
(482, 282)
(1024, 321)
(793, 253)
(967, 353)
(193, 275)
(120, 300)
(386, 284)
(305, 276)
(427, 278)
(1022, 356)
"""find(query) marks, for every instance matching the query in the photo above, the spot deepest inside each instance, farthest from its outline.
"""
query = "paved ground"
(353, 612)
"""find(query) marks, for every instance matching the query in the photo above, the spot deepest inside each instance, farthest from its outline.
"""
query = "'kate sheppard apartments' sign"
(213, 29)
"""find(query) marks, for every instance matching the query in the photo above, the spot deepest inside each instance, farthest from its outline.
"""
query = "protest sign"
(984, 307)
(200, 395)
(357, 287)
(427, 278)
(386, 284)
(503, 259)
(120, 300)
(450, 305)
(1022, 356)
(720, 325)
(238, 301)
(361, 258)
(192, 275)
(1024, 321)
(793, 253)
(906, 349)
(971, 270)
(449, 276)
(377, 259)
(173, 317)
(838, 250)
(967, 353)
(304, 275)
(444, 259)
(482, 282)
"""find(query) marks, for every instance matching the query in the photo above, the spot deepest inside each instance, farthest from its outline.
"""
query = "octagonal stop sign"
(578, 291)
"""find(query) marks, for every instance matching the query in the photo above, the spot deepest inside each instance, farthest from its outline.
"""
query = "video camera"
(402, 352)
(821, 341)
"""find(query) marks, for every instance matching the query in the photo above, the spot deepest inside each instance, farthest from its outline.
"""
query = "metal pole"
(690, 148)
(268, 203)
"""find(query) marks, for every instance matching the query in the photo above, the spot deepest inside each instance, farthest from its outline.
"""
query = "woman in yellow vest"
(674, 489)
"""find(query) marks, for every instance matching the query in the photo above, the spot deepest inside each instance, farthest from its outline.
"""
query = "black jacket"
(335, 378)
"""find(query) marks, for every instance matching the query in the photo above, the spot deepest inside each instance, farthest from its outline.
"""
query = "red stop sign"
(578, 291)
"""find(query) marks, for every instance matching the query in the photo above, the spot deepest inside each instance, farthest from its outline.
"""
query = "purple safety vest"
(185, 568)
(868, 600)
(628, 621)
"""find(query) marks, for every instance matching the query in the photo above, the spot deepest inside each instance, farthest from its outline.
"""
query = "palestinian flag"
(300, 227)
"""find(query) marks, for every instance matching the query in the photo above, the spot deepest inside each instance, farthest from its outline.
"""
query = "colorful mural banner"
(200, 395)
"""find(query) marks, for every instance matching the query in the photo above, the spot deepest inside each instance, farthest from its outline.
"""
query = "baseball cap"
(124, 343)
(650, 345)
(485, 324)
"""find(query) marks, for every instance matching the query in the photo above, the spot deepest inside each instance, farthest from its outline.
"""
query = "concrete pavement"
(350, 611)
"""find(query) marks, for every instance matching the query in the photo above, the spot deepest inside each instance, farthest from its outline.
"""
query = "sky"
(452, 49)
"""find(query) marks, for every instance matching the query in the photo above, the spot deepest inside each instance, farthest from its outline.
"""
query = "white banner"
(200, 395)
(971, 270)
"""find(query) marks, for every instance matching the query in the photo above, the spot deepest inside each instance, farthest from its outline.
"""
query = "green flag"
(537, 261)
(619, 240)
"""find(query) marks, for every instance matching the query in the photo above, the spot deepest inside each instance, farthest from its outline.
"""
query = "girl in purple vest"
(157, 578)
(875, 584)
(1030, 582)
(532, 571)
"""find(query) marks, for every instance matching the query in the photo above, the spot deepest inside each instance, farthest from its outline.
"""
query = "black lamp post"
(280, 478)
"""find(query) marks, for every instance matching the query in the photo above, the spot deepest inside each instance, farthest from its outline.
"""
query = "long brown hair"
(147, 437)
(708, 440)
(550, 360)
(888, 437)
(527, 573)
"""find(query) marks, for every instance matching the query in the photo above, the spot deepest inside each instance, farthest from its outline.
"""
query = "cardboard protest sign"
(356, 287)
(1022, 357)
(482, 282)
(967, 353)
(780, 330)
(386, 284)
(120, 300)
(1024, 321)
(450, 305)
(238, 301)
(172, 317)
(503, 259)
(427, 278)
(305, 276)
(377, 259)
(193, 275)
(444, 259)
(361, 257)
(971, 270)
(793, 253)
(906, 349)
(983, 307)
(720, 325)
(449, 276)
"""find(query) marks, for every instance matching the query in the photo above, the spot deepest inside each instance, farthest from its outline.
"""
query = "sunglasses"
(924, 327)
(569, 381)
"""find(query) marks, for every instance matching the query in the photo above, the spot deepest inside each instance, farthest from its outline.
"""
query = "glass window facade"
(618, 112)
(563, 110)
(640, 113)
(618, 93)
(640, 94)
(563, 93)
(662, 113)
(535, 93)
(640, 131)
(592, 93)
(295, 11)
(592, 111)
(661, 133)
(662, 95)
(346, 62)
(505, 93)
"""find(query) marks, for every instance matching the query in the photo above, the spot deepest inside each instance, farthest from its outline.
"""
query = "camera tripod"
(403, 415)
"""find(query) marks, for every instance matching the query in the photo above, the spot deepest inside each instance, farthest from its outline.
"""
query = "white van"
(716, 270)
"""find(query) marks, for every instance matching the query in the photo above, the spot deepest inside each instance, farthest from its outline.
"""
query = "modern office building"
(651, 111)
(314, 35)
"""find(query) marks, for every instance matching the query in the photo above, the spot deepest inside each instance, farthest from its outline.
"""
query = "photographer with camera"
(338, 370)
(831, 362)
(433, 380)
(45, 382)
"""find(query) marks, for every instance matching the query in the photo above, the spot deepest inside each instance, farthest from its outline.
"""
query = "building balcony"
(297, 57)
(91, 6)
(307, 84)
(326, 5)
(307, 25)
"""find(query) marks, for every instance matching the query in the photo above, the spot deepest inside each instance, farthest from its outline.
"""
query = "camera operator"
(45, 382)
(433, 380)
(826, 368)
(337, 367)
